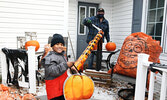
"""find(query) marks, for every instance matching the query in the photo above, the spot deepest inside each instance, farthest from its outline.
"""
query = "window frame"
(94, 12)
(81, 23)
(164, 25)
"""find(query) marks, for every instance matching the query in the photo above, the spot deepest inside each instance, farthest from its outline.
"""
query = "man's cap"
(100, 10)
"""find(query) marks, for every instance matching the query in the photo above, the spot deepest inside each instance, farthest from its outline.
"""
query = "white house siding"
(121, 21)
(45, 17)
(72, 28)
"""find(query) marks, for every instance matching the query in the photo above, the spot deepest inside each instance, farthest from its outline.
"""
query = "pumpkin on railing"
(110, 46)
(32, 43)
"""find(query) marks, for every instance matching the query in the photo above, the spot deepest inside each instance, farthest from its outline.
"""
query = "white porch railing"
(142, 68)
(31, 69)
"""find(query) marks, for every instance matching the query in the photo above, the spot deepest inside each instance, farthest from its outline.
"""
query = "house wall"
(45, 17)
(48, 17)
(18, 17)
(121, 22)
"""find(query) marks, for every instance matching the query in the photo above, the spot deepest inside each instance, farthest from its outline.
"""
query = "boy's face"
(59, 47)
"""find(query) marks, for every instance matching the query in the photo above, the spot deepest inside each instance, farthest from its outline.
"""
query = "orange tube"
(81, 60)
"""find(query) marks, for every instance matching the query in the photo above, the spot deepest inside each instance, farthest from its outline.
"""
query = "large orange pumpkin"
(110, 46)
(32, 43)
(78, 87)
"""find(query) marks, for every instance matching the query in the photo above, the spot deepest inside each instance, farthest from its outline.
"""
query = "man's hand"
(87, 22)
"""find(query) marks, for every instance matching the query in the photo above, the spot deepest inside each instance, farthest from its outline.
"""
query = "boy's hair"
(57, 38)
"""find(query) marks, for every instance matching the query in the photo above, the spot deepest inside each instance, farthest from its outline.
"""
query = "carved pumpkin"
(78, 87)
(28, 97)
(110, 46)
(32, 43)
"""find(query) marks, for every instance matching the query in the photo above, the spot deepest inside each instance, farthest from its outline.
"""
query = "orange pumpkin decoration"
(28, 97)
(95, 45)
(78, 87)
(32, 43)
(3, 88)
(110, 46)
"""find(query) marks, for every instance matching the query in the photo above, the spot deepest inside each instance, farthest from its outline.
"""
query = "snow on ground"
(103, 94)
(99, 93)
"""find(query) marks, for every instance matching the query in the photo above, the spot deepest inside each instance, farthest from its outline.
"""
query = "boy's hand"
(74, 70)
(47, 48)
(69, 64)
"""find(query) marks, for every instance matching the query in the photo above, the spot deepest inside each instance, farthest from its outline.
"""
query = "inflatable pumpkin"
(32, 43)
(78, 87)
(110, 46)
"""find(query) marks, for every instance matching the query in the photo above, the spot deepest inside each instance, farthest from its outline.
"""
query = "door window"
(82, 15)
(92, 11)
(155, 19)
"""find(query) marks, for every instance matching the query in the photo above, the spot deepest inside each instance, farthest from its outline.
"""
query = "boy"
(56, 68)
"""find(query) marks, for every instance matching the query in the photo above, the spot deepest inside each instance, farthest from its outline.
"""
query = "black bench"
(107, 61)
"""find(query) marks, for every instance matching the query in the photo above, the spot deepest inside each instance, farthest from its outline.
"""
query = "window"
(155, 19)
(92, 11)
(82, 15)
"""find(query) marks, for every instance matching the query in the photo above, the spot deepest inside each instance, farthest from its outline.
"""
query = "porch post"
(31, 69)
(151, 86)
(163, 86)
(3, 67)
(141, 77)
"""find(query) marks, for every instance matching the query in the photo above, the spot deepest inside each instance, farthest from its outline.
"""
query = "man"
(100, 21)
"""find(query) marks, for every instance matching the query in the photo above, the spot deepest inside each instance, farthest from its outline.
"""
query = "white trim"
(79, 21)
(66, 8)
(164, 28)
(144, 16)
(94, 12)
(3, 67)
